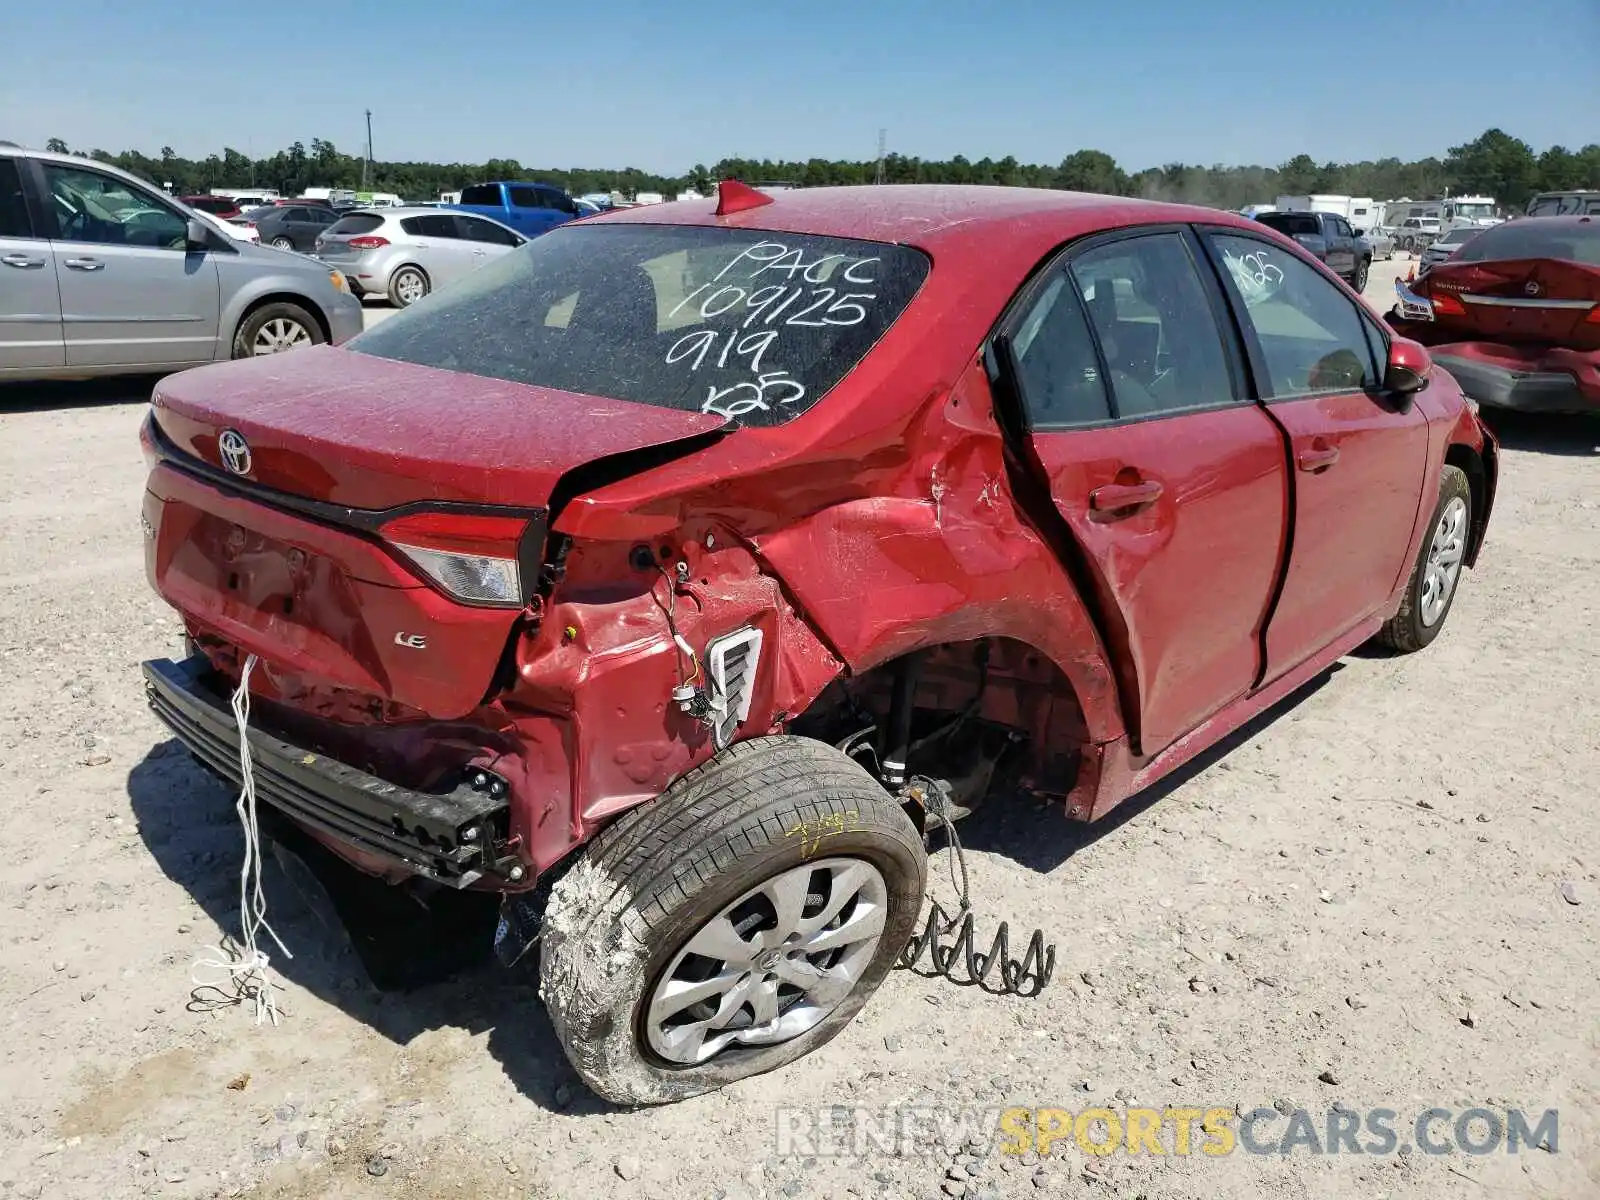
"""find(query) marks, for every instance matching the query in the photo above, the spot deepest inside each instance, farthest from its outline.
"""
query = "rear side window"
(746, 324)
(482, 193)
(1156, 329)
(526, 197)
(436, 226)
(1056, 362)
(356, 223)
(14, 222)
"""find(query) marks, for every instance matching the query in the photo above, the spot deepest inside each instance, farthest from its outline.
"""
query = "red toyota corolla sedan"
(672, 576)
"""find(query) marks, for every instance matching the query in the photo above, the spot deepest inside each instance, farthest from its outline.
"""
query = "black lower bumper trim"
(450, 837)
(1527, 391)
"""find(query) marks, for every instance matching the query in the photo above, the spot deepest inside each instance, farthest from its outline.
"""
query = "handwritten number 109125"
(760, 309)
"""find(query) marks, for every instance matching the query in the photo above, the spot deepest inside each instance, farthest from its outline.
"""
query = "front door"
(1171, 481)
(132, 293)
(1359, 456)
(30, 304)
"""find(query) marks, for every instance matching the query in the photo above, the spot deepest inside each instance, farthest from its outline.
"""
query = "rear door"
(1358, 455)
(30, 302)
(132, 293)
(1172, 482)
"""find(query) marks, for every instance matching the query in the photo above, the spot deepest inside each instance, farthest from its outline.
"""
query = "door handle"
(1318, 458)
(22, 261)
(1125, 499)
(84, 264)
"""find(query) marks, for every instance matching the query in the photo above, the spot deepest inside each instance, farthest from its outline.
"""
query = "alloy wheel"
(772, 964)
(280, 334)
(1444, 561)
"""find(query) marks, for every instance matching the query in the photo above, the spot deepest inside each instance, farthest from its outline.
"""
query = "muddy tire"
(777, 860)
(1436, 575)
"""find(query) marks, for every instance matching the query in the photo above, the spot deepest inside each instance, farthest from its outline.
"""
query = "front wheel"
(730, 926)
(1432, 586)
(274, 328)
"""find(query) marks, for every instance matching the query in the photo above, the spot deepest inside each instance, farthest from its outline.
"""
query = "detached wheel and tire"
(732, 925)
(1432, 587)
(274, 328)
(407, 286)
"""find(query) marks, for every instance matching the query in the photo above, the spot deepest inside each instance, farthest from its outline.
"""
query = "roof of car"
(926, 214)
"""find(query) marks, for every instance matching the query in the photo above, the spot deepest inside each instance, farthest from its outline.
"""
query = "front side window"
(91, 207)
(14, 222)
(476, 229)
(1155, 325)
(1308, 331)
(746, 324)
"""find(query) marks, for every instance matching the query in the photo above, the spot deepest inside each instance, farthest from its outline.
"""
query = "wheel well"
(304, 302)
(976, 706)
(1467, 459)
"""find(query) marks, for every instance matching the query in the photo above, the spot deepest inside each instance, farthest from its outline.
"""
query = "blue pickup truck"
(529, 208)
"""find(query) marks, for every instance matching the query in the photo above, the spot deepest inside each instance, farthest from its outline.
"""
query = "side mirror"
(1409, 367)
(196, 234)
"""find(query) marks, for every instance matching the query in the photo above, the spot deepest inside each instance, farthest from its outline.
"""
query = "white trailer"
(1358, 210)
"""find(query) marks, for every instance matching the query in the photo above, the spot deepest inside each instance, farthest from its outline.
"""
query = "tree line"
(1494, 164)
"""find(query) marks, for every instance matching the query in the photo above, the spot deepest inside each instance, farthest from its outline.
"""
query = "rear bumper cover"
(455, 837)
(1527, 386)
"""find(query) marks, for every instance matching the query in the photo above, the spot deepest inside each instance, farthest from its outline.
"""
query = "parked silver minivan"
(405, 253)
(103, 274)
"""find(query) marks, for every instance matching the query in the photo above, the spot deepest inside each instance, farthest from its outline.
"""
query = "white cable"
(245, 968)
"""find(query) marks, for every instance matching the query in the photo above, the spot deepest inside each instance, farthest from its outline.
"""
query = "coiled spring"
(959, 960)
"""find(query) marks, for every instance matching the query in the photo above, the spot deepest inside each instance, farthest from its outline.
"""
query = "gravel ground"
(1387, 895)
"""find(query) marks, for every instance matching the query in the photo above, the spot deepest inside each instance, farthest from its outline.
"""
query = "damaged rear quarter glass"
(751, 325)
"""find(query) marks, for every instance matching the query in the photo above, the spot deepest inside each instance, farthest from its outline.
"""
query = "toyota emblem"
(1531, 288)
(235, 451)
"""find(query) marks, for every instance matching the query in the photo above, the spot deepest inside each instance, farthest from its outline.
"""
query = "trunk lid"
(334, 425)
(1536, 301)
(302, 564)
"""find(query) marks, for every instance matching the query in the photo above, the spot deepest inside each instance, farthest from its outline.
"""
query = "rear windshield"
(1292, 223)
(482, 193)
(355, 223)
(746, 324)
(1574, 241)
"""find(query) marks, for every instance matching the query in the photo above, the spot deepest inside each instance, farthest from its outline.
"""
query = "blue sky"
(664, 85)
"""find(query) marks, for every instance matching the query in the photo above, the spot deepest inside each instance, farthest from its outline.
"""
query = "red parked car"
(1515, 315)
(222, 207)
(665, 574)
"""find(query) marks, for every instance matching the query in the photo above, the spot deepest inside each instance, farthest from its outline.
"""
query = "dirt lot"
(1361, 902)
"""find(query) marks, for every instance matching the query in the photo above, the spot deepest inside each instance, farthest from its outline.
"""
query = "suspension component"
(959, 961)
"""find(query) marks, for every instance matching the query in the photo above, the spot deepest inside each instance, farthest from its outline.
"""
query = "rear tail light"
(368, 242)
(1446, 305)
(1594, 316)
(473, 558)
